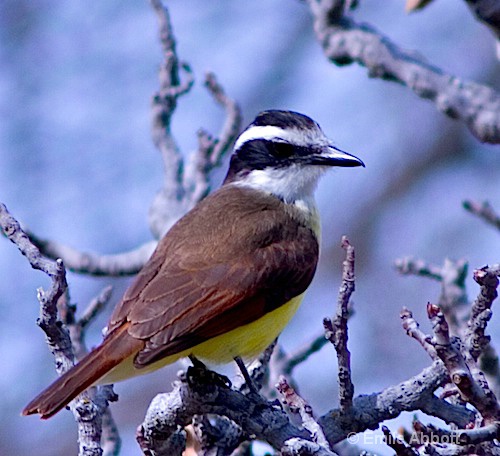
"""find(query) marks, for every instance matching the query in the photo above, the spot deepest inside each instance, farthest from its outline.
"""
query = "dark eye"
(282, 150)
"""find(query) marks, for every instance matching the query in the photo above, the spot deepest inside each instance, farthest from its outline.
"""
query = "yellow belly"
(247, 341)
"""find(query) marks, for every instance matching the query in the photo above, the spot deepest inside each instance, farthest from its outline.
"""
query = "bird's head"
(284, 153)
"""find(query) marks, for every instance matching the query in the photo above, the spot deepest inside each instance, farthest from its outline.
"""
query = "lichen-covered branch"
(345, 42)
(172, 411)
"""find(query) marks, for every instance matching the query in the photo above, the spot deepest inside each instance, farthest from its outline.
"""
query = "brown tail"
(118, 346)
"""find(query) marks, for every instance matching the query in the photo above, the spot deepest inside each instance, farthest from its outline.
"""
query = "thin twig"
(484, 211)
(298, 405)
(336, 330)
(211, 151)
(449, 352)
(418, 267)
(170, 202)
(475, 339)
(412, 328)
(114, 265)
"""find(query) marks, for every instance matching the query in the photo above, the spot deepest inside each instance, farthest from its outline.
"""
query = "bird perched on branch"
(228, 276)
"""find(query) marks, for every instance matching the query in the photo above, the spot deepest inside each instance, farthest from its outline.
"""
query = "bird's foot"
(198, 373)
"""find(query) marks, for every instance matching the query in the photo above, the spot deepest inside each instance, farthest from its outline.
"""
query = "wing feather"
(207, 278)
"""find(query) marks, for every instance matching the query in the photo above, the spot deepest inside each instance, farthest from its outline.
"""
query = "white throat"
(293, 184)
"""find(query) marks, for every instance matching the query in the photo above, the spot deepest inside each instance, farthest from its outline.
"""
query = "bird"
(228, 276)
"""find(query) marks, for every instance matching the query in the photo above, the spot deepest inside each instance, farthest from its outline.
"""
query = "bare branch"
(484, 211)
(232, 125)
(120, 264)
(418, 267)
(453, 299)
(169, 412)
(95, 307)
(473, 391)
(298, 405)
(301, 447)
(169, 204)
(290, 361)
(211, 150)
(77, 328)
(412, 328)
(282, 363)
(88, 407)
(217, 436)
(475, 339)
(345, 42)
(336, 331)
(370, 410)
(172, 411)
(171, 445)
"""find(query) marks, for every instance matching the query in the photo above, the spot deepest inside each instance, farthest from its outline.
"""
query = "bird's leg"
(204, 375)
(244, 371)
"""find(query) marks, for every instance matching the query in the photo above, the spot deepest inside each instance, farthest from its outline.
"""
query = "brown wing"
(230, 260)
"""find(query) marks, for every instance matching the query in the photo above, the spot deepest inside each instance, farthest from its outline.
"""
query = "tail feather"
(118, 346)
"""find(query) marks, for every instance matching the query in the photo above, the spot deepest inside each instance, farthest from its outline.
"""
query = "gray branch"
(452, 274)
(297, 404)
(412, 328)
(170, 412)
(120, 264)
(300, 447)
(345, 42)
(475, 339)
(336, 330)
(211, 150)
(484, 211)
(473, 387)
(418, 267)
(87, 408)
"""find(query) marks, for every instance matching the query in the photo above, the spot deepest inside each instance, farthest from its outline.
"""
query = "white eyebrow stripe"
(266, 132)
(273, 133)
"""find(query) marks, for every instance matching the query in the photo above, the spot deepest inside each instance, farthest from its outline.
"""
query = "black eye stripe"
(281, 149)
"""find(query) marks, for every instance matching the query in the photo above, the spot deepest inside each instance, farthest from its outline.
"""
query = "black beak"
(331, 156)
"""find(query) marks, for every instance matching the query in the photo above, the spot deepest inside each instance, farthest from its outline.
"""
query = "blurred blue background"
(77, 165)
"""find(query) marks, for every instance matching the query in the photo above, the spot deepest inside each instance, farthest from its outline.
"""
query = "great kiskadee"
(229, 275)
